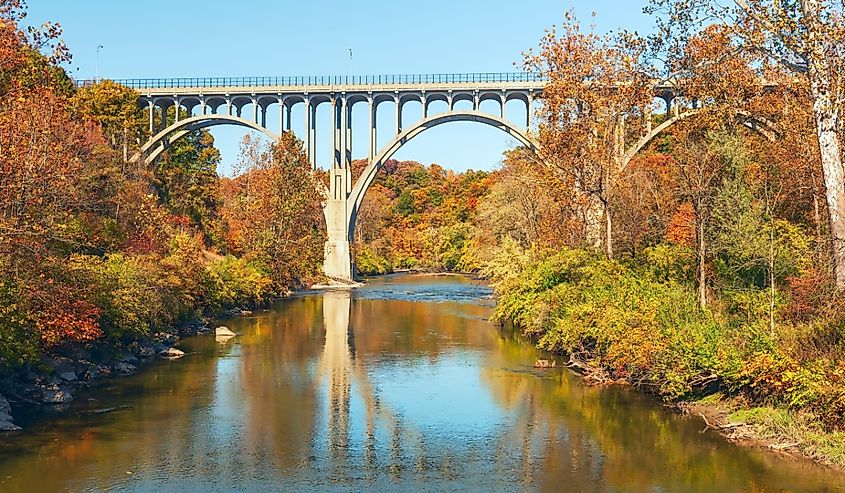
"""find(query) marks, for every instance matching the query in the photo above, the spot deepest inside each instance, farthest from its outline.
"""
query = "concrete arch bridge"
(205, 102)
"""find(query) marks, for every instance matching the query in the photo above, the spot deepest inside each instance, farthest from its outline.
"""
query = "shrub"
(235, 282)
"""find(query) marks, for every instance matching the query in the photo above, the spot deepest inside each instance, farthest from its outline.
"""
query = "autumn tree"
(273, 211)
(805, 37)
(597, 88)
(114, 108)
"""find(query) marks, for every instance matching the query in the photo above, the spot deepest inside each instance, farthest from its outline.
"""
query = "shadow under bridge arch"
(366, 179)
(158, 143)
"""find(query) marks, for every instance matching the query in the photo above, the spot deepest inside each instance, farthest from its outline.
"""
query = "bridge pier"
(337, 260)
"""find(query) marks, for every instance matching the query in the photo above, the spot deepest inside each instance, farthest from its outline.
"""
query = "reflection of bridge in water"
(390, 440)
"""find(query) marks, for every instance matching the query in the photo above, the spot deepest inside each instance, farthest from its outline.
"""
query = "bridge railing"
(326, 80)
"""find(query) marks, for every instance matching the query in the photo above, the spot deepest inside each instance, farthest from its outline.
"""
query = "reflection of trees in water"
(606, 438)
(256, 410)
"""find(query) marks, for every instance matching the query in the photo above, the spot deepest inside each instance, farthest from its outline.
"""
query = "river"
(401, 385)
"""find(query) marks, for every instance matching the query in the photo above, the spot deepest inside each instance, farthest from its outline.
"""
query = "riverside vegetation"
(99, 253)
(705, 270)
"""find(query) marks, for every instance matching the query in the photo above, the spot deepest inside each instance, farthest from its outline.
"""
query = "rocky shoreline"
(58, 377)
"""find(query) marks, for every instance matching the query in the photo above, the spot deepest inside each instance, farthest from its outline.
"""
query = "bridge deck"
(306, 84)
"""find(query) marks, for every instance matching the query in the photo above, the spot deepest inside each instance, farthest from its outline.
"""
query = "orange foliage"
(681, 228)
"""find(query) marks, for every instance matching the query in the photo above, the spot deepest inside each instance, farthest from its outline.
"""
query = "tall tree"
(807, 37)
(597, 88)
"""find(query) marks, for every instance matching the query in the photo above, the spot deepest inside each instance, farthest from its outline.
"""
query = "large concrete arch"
(162, 140)
(368, 175)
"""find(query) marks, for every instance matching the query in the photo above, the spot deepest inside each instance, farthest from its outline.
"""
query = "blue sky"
(188, 38)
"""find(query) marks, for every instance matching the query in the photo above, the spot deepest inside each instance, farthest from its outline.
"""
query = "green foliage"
(649, 329)
(18, 338)
(369, 263)
(188, 185)
(667, 261)
(132, 292)
(235, 282)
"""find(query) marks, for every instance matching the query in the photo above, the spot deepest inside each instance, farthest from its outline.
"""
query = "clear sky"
(191, 38)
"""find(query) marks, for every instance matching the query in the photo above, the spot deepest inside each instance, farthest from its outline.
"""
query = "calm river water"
(402, 385)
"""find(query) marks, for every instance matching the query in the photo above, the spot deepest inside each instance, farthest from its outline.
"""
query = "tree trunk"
(834, 179)
(702, 274)
(593, 220)
(608, 230)
(826, 118)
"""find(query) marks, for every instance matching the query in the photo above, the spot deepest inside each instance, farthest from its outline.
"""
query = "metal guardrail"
(325, 80)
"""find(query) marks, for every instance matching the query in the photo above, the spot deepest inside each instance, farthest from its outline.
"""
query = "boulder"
(146, 351)
(124, 367)
(166, 337)
(6, 423)
(125, 357)
(544, 363)
(5, 407)
(224, 332)
(67, 374)
(56, 396)
(171, 353)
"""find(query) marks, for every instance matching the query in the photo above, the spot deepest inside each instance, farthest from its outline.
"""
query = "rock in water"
(171, 353)
(6, 423)
(544, 363)
(68, 375)
(224, 331)
(56, 396)
(5, 407)
(125, 368)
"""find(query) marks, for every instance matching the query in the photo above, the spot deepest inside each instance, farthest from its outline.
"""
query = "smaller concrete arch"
(431, 97)
(490, 96)
(462, 96)
(214, 103)
(160, 141)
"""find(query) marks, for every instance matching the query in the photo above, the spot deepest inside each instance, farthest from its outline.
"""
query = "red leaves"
(68, 322)
(681, 227)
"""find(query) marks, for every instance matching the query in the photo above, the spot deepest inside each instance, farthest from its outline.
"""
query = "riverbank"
(776, 387)
(60, 376)
(778, 430)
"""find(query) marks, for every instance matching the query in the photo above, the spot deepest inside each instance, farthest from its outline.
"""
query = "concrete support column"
(504, 100)
(152, 116)
(372, 126)
(176, 109)
(336, 133)
(228, 107)
(424, 105)
(347, 135)
(254, 111)
(528, 105)
(398, 114)
(202, 106)
(281, 115)
(288, 117)
(309, 133)
(475, 102)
